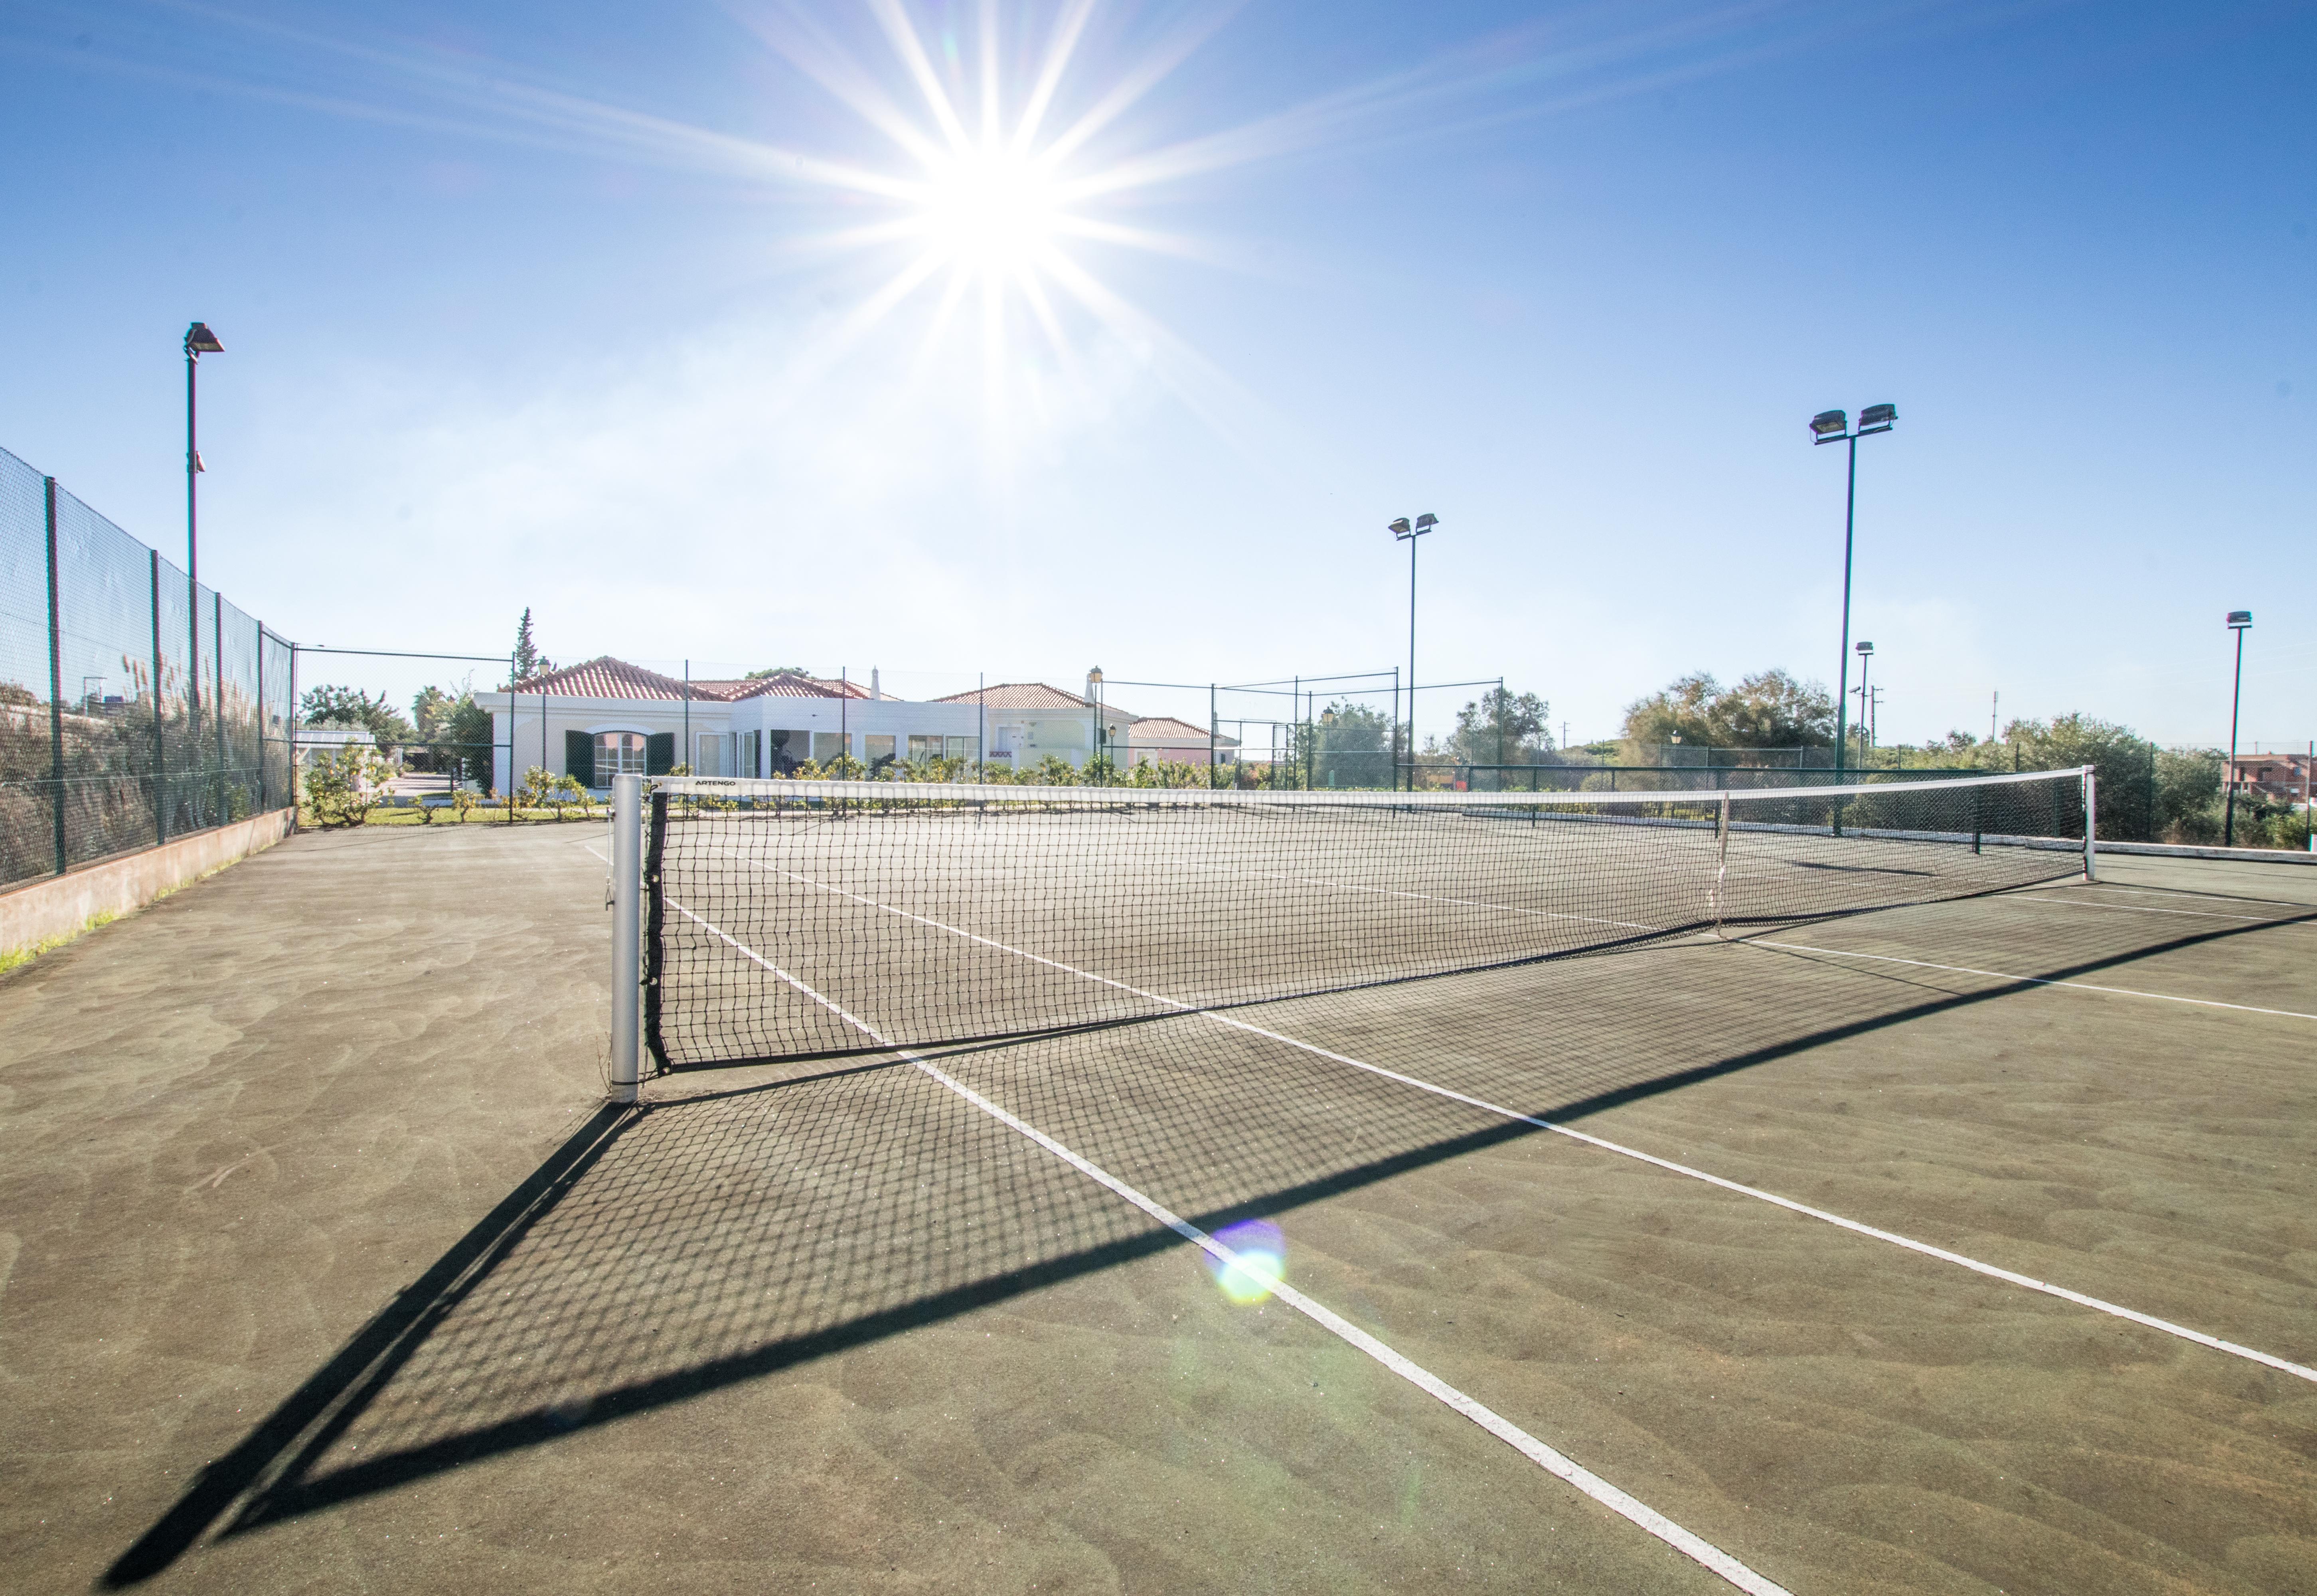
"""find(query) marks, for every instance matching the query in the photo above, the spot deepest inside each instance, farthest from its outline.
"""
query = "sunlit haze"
(1015, 340)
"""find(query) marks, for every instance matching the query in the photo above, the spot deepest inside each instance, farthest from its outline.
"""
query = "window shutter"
(659, 753)
(579, 757)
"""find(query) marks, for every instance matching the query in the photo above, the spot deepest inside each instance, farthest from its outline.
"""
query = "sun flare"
(991, 208)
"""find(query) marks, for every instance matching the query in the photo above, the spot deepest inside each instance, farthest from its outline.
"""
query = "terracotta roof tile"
(1166, 729)
(606, 677)
(1021, 696)
(783, 686)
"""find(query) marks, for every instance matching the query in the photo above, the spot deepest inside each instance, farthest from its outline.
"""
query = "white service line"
(1992, 1271)
(1694, 1547)
(2081, 986)
(2046, 900)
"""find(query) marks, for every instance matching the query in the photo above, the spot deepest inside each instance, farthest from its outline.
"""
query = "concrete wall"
(62, 905)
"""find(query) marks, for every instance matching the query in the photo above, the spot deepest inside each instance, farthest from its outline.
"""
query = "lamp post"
(1094, 698)
(1403, 533)
(1832, 426)
(2239, 622)
(1865, 651)
(199, 341)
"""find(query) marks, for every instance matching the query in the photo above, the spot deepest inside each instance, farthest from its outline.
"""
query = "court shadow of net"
(668, 1252)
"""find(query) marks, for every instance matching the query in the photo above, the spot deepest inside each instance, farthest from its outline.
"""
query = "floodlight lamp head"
(1866, 648)
(1399, 528)
(1427, 522)
(200, 340)
(1829, 424)
(1878, 415)
(2240, 619)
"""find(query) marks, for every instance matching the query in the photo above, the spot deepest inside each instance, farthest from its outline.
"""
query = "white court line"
(2081, 986)
(1694, 1547)
(2043, 900)
(1992, 1271)
(2112, 886)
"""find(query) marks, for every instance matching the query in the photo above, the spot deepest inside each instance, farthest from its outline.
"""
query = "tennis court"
(1572, 1226)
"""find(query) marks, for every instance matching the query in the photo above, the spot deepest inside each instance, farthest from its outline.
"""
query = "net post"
(627, 891)
(654, 911)
(2091, 825)
(1722, 861)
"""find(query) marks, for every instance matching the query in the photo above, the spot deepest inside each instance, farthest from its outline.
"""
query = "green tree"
(529, 661)
(2125, 765)
(758, 675)
(1767, 709)
(332, 705)
(1358, 746)
(1516, 722)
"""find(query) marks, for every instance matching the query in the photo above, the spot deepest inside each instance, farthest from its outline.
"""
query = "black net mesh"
(790, 920)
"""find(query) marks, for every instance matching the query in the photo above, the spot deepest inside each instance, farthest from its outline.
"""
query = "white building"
(606, 717)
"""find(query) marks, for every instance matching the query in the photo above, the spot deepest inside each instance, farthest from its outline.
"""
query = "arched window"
(618, 753)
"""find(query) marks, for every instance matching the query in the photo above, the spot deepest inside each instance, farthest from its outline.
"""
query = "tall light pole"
(1865, 652)
(1402, 531)
(199, 341)
(2239, 622)
(1832, 426)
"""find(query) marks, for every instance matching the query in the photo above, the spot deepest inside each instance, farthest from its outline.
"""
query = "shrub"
(340, 787)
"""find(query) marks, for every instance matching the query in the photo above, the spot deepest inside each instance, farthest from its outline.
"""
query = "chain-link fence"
(134, 707)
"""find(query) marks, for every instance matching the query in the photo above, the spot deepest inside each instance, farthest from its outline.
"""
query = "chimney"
(874, 693)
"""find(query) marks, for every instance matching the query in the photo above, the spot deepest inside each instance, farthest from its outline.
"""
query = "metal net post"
(2091, 824)
(627, 931)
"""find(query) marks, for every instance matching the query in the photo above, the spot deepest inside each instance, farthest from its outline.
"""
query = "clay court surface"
(325, 1271)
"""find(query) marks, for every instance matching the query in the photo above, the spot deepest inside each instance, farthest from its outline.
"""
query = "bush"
(341, 788)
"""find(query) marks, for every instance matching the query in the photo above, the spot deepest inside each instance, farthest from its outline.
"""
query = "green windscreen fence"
(134, 707)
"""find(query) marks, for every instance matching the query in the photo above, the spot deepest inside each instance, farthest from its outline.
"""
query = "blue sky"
(586, 308)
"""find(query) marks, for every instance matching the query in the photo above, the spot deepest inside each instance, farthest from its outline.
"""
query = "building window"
(618, 753)
(878, 750)
(827, 746)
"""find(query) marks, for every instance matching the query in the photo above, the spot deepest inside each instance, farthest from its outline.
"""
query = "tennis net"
(787, 919)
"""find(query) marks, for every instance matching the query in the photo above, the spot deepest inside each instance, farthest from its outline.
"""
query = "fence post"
(217, 642)
(160, 732)
(627, 927)
(289, 729)
(56, 689)
(260, 706)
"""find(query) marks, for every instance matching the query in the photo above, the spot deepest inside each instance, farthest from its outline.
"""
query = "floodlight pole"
(1842, 698)
(2239, 621)
(1412, 662)
(1837, 429)
(1407, 534)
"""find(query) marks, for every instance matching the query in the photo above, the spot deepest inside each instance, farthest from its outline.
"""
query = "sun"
(991, 208)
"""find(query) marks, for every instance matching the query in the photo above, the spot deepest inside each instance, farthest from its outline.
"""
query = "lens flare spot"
(1258, 1260)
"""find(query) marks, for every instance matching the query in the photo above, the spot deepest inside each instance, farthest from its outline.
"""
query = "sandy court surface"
(307, 1185)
